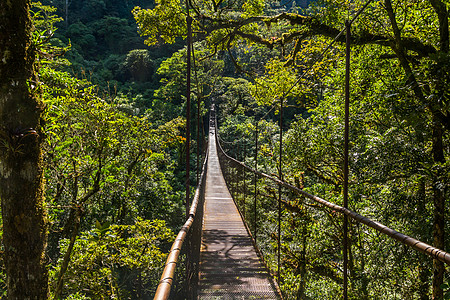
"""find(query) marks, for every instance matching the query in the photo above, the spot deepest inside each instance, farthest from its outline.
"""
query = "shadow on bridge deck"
(229, 265)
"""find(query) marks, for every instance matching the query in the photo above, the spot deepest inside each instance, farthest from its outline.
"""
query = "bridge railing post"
(244, 183)
(280, 175)
(194, 246)
(346, 162)
(255, 221)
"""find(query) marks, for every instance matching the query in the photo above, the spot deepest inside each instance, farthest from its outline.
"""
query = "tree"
(169, 97)
(21, 168)
(413, 35)
(102, 163)
(118, 261)
(139, 65)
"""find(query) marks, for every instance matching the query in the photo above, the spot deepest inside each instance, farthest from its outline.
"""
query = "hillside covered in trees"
(93, 138)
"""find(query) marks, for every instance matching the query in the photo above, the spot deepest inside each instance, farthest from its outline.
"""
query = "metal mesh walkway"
(229, 265)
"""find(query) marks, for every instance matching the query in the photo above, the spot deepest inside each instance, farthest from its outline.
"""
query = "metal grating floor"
(229, 265)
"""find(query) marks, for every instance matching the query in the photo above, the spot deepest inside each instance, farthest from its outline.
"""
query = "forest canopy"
(98, 117)
(399, 91)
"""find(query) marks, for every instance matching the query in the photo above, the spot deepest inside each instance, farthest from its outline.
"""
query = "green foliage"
(253, 8)
(393, 132)
(49, 49)
(233, 96)
(166, 21)
(105, 162)
(119, 157)
(169, 99)
(83, 37)
(117, 261)
(446, 288)
(95, 146)
(275, 84)
(100, 34)
(139, 64)
(116, 33)
(114, 166)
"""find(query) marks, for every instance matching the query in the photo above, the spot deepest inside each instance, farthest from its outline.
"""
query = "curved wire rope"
(402, 238)
(167, 277)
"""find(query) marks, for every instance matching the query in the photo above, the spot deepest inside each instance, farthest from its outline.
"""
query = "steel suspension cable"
(400, 237)
(346, 163)
(168, 275)
(188, 104)
(199, 96)
(256, 180)
(280, 174)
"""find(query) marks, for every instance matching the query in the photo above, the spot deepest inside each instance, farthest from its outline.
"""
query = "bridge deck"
(229, 265)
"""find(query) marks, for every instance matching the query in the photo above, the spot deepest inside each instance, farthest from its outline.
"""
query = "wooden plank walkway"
(229, 265)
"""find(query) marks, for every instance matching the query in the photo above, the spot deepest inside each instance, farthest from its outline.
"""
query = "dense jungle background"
(111, 75)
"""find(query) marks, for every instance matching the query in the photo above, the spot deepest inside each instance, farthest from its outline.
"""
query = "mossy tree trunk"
(439, 127)
(21, 171)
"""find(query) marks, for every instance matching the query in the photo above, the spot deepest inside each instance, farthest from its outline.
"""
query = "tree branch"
(310, 26)
(442, 12)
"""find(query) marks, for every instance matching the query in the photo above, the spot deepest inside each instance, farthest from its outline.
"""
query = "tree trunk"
(21, 171)
(66, 260)
(424, 272)
(438, 157)
(439, 214)
(437, 128)
(424, 286)
(303, 272)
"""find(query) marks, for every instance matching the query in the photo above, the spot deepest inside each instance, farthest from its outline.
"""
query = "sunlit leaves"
(276, 83)
(137, 252)
(44, 19)
(233, 95)
(169, 97)
(253, 7)
(165, 22)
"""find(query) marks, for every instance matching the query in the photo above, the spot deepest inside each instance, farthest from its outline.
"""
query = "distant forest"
(93, 139)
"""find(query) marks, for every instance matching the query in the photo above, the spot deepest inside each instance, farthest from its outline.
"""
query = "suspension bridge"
(229, 264)
(217, 250)
(220, 255)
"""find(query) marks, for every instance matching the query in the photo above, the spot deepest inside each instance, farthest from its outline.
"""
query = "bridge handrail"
(165, 284)
(402, 238)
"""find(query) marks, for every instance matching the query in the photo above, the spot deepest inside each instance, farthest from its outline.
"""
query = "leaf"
(97, 224)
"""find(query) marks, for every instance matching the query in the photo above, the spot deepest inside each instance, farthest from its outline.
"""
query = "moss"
(21, 182)
(6, 56)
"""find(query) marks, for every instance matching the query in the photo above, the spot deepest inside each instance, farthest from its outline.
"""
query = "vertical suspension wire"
(236, 179)
(188, 139)
(346, 163)
(280, 171)
(237, 176)
(198, 133)
(203, 134)
(188, 104)
(245, 185)
(199, 98)
(256, 182)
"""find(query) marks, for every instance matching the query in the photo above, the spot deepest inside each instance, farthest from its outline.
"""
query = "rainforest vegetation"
(93, 139)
